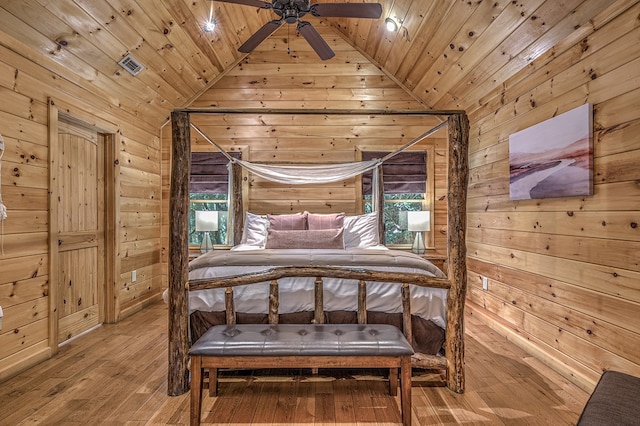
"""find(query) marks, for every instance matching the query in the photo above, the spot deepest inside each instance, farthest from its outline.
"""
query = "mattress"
(297, 294)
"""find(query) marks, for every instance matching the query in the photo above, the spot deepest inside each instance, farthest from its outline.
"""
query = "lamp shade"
(206, 221)
(419, 221)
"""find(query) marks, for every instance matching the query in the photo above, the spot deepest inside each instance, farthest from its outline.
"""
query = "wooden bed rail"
(318, 271)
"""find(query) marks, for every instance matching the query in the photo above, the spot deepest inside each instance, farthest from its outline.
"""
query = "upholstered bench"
(614, 401)
(245, 346)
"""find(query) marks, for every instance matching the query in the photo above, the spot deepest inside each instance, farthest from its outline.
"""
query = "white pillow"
(255, 230)
(361, 231)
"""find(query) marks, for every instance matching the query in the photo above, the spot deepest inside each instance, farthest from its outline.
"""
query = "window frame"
(428, 201)
(244, 154)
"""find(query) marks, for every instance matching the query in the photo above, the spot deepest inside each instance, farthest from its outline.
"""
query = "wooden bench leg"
(196, 390)
(405, 389)
(213, 382)
(393, 381)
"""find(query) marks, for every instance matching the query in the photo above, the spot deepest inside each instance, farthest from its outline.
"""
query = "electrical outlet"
(134, 276)
(485, 283)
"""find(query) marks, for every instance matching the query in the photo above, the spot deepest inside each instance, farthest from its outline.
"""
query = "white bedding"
(297, 294)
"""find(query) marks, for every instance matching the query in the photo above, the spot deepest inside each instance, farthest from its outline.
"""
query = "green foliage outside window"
(396, 207)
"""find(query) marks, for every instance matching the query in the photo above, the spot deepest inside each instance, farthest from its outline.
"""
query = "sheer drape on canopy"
(304, 174)
(317, 173)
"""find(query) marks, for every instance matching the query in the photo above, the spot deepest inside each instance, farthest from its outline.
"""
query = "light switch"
(485, 283)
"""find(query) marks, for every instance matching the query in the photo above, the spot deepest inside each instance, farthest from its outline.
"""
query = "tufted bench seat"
(245, 346)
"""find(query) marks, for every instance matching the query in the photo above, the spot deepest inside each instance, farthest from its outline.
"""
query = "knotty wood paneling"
(563, 273)
(28, 77)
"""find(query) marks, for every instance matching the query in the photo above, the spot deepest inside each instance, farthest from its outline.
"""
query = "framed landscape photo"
(553, 158)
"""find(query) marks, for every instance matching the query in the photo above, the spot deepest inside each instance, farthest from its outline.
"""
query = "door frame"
(109, 136)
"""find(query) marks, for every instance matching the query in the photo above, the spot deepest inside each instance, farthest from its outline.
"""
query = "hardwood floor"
(116, 375)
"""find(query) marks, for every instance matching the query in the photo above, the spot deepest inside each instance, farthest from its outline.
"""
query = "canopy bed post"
(458, 175)
(238, 211)
(378, 200)
(178, 373)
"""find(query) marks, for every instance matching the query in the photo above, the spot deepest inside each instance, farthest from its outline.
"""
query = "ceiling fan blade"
(315, 40)
(256, 3)
(259, 36)
(347, 10)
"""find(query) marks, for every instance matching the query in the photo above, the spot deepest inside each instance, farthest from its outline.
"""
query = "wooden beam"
(458, 177)
(279, 272)
(178, 374)
(311, 111)
(53, 224)
(112, 221)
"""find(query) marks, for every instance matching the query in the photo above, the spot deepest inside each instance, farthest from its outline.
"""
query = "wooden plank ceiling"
(443, 52)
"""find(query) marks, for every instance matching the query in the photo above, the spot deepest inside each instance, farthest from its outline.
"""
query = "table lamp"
(206, 221)
(418, 222)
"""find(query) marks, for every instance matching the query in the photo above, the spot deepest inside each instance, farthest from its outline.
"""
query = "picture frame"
(553, 158)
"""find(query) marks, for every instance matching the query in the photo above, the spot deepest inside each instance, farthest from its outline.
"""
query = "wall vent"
(131, 64)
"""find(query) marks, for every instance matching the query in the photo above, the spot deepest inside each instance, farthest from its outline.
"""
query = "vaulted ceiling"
(443, 52)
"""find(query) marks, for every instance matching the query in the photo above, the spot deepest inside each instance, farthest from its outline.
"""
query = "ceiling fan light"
(209, 26)
(391, 24)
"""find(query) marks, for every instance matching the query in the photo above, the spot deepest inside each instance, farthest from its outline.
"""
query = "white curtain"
(304, 174)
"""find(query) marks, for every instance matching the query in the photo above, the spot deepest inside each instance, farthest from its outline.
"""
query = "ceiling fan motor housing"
(291, 10)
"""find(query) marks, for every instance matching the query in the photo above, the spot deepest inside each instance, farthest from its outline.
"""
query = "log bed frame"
(179, 284)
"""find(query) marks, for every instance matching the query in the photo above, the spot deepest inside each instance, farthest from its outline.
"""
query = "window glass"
(209, 188)
(209, 202)
(396, 207)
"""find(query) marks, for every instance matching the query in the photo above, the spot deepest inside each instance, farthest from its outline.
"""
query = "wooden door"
(80, 230)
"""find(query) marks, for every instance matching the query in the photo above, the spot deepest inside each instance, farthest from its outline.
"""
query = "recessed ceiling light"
(391, 24)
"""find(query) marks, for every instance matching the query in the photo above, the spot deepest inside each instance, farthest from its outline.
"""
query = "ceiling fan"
(290, 11)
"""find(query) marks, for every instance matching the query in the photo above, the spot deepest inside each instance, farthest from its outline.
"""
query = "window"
(209, 191)
(405, 189)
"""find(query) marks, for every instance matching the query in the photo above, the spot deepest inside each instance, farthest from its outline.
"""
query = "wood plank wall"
(25, 87)
(270, 79)
(564, 274)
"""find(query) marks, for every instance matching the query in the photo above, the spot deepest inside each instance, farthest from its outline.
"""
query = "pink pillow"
(287, 222)
(325, 221)
(305, 239)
